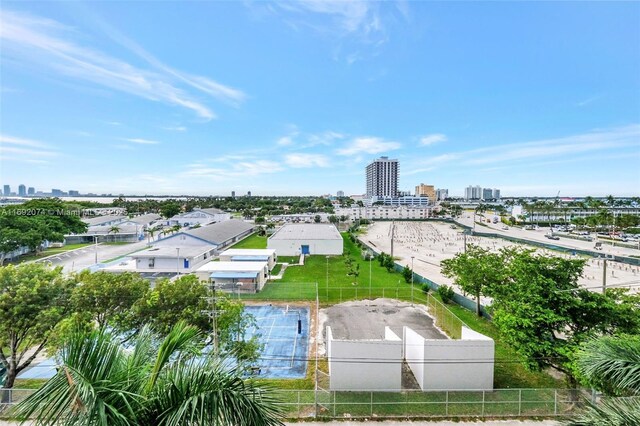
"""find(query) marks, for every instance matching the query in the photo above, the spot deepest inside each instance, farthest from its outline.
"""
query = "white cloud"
(301, 160)
(432, 139)
(368, 145)
(47, 44)
(285, 141)
(238, 169)
(141, 141)
(176, 128)
(25, 150)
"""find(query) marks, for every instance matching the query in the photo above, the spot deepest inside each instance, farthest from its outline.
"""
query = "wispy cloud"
(368, 145)
(49, 45)
(588, 101)
(300, 160)
(25, 150)
(141, 141)
(432, 139)
(176, 128)
(518, 154)
(234, 170)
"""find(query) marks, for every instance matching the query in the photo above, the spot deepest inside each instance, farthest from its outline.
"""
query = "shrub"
(446, 293)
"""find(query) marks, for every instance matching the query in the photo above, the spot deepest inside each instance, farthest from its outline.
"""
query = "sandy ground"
(431, 242)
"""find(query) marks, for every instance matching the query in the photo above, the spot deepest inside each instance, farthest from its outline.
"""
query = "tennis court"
(285, 351)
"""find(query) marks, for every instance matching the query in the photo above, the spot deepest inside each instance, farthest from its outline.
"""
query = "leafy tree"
(32, 223)
(474, 271)
(101, 383)
(407, 274)
(170, 209)
(260, 220)
(333, 219)
(33, 300)
(107, 299)
(389, 264)
(187, 299)
(542, 312)
(317, 219)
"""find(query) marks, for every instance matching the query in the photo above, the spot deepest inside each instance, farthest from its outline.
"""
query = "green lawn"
(253, 241)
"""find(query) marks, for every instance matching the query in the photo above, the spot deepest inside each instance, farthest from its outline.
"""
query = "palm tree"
(114, 229)
(150, 233)
(611, 364)
(100, 383)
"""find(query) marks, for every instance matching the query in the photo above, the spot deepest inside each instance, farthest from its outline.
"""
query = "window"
(152, 262)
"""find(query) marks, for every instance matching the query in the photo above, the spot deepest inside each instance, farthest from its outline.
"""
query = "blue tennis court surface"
(285, 352)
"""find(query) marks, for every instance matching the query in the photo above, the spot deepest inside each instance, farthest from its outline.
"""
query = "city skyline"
(286, 98)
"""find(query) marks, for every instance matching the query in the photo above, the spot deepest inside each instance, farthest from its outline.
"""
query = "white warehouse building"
(294, 240)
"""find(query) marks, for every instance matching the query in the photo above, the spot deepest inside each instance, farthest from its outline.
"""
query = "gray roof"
(145, 218)
(221, 232)
(91, 221)
(211, 211)
(307, 232)
(172, 252)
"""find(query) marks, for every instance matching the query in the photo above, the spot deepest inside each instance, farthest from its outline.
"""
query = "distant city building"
(340, 194)
(385, 212)
(248, 193)
(22, 190)
(496, 193)
(233, 194)
(6, 190)
(31, 191)
(382, 178)
(442, 194)
(407, 200)
(423, 190)
(487, 193)
(472, 192)
(57, 192)
(74, 193)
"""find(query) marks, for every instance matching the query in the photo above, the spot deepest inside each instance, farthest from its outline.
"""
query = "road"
(539, 236)
(76, 260)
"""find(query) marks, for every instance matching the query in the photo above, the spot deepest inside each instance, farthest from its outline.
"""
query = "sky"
(296, 97)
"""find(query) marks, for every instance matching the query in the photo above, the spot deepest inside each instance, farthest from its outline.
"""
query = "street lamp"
(327, 277)
(412, 279)
(95, 239)
(178, 261)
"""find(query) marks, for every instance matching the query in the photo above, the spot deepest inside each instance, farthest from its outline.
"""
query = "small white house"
(297, 239)
(200, 217)
(235, 277)
(250, 255)
(172, 259)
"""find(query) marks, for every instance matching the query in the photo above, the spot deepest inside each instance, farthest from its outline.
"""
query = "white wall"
(293, 247)
(414, 354)
(365, 364)
(451, 364)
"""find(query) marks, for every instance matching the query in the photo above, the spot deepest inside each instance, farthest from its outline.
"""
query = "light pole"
(327, 277)
(178, 261)
(370, 258)
(95, 239)
(412, 279)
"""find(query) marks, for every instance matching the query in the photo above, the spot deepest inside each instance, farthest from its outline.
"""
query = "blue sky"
(296, 97)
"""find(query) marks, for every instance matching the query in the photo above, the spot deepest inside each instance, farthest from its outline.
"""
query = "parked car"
(552, 237)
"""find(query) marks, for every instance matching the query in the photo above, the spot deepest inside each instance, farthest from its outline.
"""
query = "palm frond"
(612, 364)
(609, 412)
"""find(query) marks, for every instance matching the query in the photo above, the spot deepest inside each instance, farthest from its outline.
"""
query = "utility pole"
(95, 239)
(393, 229)
(604, 276)
(370, 259)
(465, 241)
(213, 314)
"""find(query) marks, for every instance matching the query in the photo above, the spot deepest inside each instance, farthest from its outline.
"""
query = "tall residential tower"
(382, 178)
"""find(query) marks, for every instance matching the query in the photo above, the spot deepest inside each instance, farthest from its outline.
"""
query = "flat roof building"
(219, 235)
(241, 277)
(250, 255)
(294, 240)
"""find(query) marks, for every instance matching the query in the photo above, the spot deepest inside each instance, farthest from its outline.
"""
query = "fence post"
(446, 403)
(371, 404)
(519, 402)
(483, 402)
(299, 410)
(555, 402)
(334, 403)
